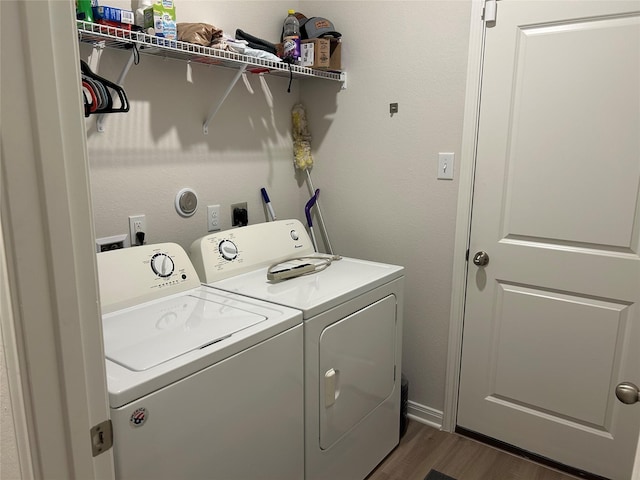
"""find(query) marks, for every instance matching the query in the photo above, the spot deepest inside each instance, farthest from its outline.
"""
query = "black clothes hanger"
(97, 95)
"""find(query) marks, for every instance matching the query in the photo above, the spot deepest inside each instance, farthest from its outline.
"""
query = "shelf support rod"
(343, 79)
(102, 117)
(214, 110)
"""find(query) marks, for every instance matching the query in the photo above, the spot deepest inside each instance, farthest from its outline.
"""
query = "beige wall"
(383, 201)
(377, 173)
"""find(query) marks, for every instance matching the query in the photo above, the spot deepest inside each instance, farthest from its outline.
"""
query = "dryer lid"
(318, 292)
(143, 337)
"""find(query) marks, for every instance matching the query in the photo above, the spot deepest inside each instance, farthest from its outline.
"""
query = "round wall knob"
(186, 202)
(628, 393)
(481, 258)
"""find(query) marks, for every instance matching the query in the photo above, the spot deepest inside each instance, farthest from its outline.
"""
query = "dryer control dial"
(162, 265)
(228, 249)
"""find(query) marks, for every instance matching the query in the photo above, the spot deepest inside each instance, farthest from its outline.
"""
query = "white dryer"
(202, 383)
(352, 311)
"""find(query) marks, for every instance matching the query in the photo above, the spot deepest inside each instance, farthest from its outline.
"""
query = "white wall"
(377, 173)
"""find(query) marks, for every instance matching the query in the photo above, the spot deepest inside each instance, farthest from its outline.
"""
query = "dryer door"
(356, 368)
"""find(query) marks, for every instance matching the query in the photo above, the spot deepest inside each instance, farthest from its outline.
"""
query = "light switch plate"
(445, 165)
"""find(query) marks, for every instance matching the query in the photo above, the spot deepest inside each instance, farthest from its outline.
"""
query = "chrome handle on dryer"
(330, 380)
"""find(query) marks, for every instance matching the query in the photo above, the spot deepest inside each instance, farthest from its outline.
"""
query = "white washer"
(202, 383)
(353, 339)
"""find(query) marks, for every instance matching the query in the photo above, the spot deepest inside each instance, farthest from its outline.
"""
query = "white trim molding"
(50, 259)
(423, 414)
(463, 216)
(23, 462)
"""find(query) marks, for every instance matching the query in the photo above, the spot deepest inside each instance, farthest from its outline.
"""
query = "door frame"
(463, 221)
(53, 334)
(463, 213)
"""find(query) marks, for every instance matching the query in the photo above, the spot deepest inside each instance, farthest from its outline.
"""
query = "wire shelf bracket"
(102, 117)
(215, 108)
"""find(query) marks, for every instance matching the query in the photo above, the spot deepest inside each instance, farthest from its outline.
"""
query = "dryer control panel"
(225, 254)
(130, 276)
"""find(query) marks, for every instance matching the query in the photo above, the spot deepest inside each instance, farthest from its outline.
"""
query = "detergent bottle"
(291, 39)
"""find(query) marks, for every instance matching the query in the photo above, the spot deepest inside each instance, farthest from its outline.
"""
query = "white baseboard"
(423, 414)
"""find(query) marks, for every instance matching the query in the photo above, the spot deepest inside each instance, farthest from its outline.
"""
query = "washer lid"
(143, 337)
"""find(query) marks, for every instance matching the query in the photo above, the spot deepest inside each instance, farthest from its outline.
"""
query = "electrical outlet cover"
(112, 243)
(239, 214)
(213, 218)
(137, 223)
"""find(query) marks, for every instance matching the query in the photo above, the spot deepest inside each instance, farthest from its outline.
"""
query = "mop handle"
(322, 224)
(307, 212)
(307, 208)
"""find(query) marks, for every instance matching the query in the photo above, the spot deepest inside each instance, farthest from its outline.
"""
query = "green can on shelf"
(84, 10)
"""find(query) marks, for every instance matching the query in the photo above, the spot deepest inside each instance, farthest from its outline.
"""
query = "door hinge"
(101, 437)
(466, 256)
(489, 11)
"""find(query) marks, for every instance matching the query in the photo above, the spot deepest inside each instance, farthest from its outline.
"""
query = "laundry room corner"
(376, 170)
(234, 339)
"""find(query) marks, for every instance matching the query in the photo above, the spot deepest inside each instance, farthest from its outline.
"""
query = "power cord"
(289, 61)
(290, 269)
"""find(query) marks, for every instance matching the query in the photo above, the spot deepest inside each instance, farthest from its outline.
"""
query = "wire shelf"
(104, 36)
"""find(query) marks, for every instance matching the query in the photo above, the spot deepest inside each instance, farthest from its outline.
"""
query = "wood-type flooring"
(423, 448)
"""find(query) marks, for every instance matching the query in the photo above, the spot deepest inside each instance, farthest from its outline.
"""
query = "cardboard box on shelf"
(109, 23)
(321, 53)
(113, 14)
(162, 18)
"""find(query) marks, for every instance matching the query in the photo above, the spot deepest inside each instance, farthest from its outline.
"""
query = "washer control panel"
(130, 276)
(232, 252)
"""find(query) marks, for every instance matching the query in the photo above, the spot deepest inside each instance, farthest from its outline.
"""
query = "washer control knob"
(228, 249)
(294, 235)
(162, 265)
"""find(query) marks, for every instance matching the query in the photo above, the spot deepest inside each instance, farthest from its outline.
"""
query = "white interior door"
(552, 322)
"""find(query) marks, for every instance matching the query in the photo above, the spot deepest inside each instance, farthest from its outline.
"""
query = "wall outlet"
(138, 229)
(115, 242)
(239, 214)
(213, 218)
